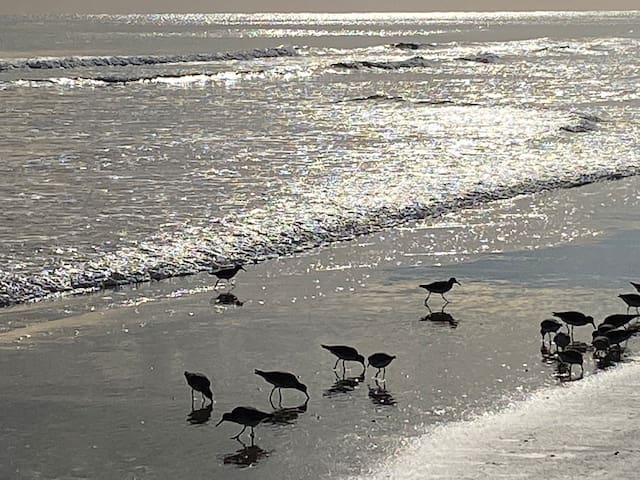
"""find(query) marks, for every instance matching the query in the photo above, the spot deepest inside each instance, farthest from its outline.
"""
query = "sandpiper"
(226, 273)
(380, 361)
(547, 327)
(571, 357)
(346, 354)
(439, 287)
(576, 319)
(281, 380)
(562, 340)
(631, 299)
(200, 383)
(246, 416)
(617, 320)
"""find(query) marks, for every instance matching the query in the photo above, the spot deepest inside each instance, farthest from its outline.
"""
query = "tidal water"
(153, 146)
(138, 147)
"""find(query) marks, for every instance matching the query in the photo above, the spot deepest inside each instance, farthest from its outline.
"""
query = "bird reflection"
(287, 415)
(380, 395)
(440, 317)
(200, 416)
(343, 384)
(246, 456)
(227, 298)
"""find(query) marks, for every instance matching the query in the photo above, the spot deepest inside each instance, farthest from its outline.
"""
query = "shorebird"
(631, 299)
(245, 416)
(226, 273)
(576, 319)
(439, 287)
(571, 357)
(346, 354)
(616, 337)
(380, 361)
(601, 346)
(617, 320)
(547, 327)
(200, 383)
(562, 340)
(281, 380)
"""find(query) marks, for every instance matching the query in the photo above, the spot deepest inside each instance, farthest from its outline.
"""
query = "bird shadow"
(201, 415)
(286, 415)
(227, 298)
(441, 317)
(343, 385)
(246, 456)
(380, 395)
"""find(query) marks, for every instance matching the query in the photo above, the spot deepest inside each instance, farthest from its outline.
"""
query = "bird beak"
(222, 420)
(242, 268)
(458, 282)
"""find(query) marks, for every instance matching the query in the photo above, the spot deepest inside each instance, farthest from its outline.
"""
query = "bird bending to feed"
(346, 354)
(571, 357)
(200, 383)
(631, 299)
(547, 327)
(245, 416)
(226, 273)
(380, 361)
(439, 287)
(281, 380)
(562, 340)
(574, 319)
(617, 320)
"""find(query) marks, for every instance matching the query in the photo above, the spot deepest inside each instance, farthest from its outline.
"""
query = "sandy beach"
(94, 388)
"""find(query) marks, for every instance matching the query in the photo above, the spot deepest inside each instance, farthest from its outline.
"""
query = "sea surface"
(151, 146)
(346, 157)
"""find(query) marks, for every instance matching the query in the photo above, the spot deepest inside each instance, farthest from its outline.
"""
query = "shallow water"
(119, 166)
(108, 383)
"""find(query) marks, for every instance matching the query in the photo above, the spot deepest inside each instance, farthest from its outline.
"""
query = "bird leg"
(336, 365)
(427, 299)
(279, 397)
(377, 373)
(271, 395)
(384, 372)
(237, 437)
(444, 298)
(218, 281)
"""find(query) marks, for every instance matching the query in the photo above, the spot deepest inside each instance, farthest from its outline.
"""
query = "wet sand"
(95, 389)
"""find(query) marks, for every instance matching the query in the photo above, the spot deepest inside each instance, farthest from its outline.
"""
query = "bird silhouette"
(200, 383)
(380, 361)
(576, 319)
(439, 287)
(345, 354)
(571, 357)
(281, 380)
(245, 416)
(632, 300)
(226, 273)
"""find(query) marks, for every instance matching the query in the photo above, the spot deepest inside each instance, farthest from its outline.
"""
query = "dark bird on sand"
(346, 354)
(618, 320)
(618, 336)
(574, 319)
(380, 361)
(200, 383)
(562, 340)
(246, 416)
(601, 345)
(439, 287)
(631, 299)
(226, 273)
(547, 327)
(281, 380)
(571, 357)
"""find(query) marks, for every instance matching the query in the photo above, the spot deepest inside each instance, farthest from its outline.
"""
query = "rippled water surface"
(151, 146)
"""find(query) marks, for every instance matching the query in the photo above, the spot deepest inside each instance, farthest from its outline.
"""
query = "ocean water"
(139, 147)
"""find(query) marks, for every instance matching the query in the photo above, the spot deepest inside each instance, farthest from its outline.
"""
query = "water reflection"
(440, 317)
(343, 384)
(287, 415)
(227, 298)
(246, 456)
(380, 394)
(200, 416)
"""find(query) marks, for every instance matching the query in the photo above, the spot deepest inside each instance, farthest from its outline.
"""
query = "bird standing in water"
(380, 361)
(245, 416)
(346, 354)
(281, 380)
(439, 287)
(200, 383)
(226, 273)
(576, 319)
